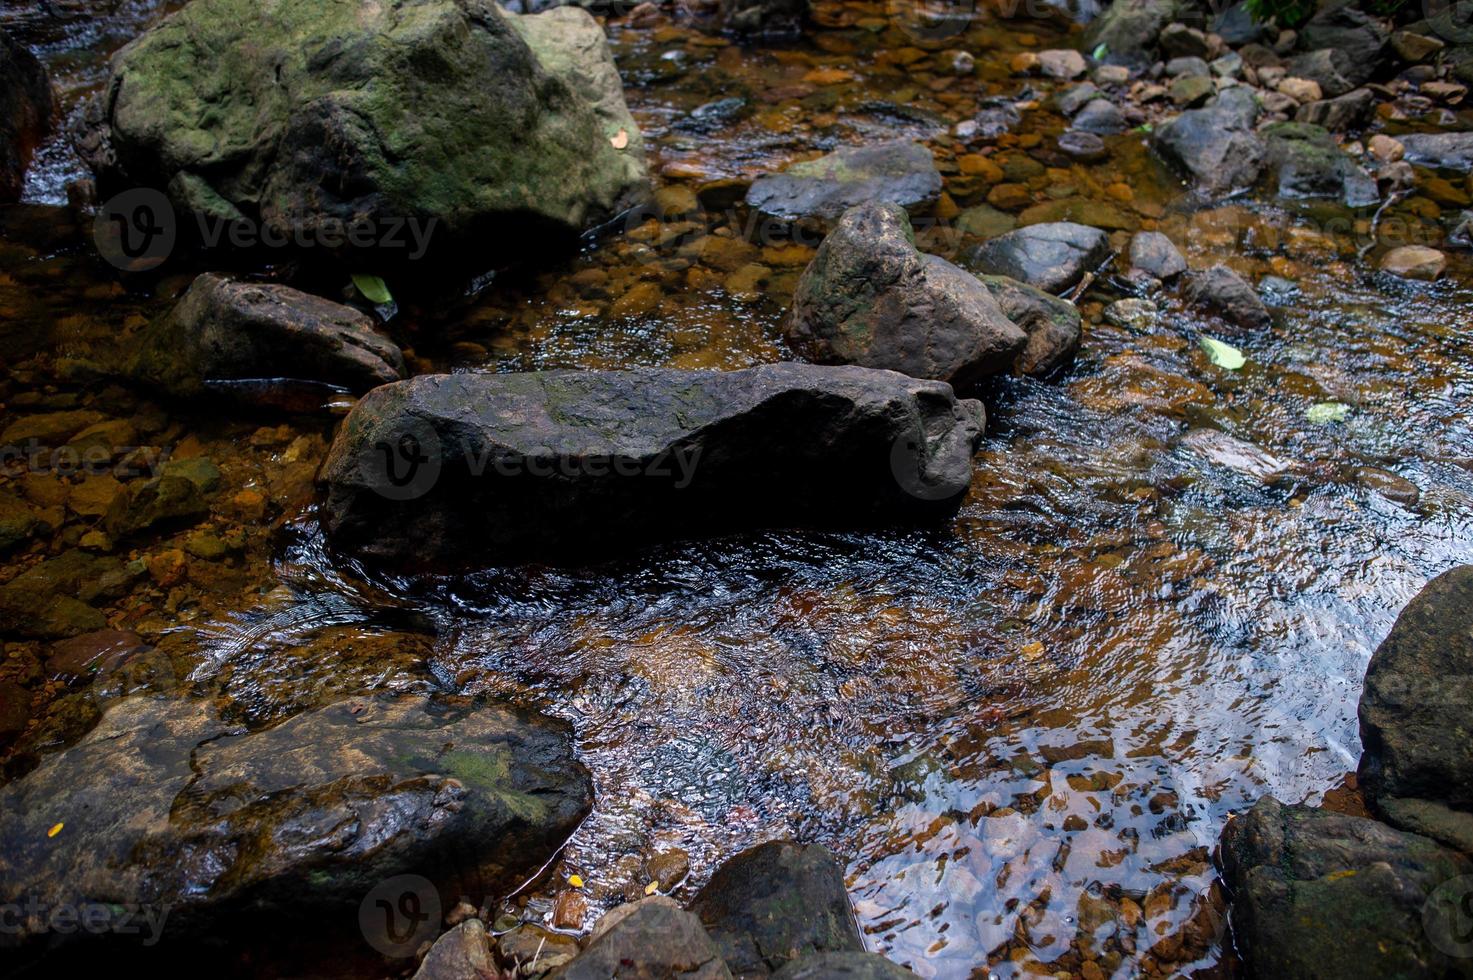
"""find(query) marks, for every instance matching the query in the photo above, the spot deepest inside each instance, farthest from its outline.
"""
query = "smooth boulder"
(777, 903)
(224, 331)
(898, 172)
(1051, 257)
(650, 938)
(1323, 894)
(26, 108)
(165, 804)
(307, 118)
(1215, 146)
(870, 298)
(446, 469)
(1416, 715)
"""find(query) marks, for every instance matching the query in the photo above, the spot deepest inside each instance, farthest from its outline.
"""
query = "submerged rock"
(776, 903)
(870, 298)
(309, 118)
(1414, 262)
(1052, 324)
(653, 937)
(223, 330)
(1322, 894)
(768, 18)
(1441, 151)
(839, 966)
(1222, 291)
(1307, 163)
(1215, 146)
(164, 805)
(1051, 257)
(1417, 764)
(25, 113)
(898, 172)
(493, 468)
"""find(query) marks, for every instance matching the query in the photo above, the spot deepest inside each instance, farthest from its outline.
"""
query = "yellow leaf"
(1033, 650)
(620, 141)
(55, 830)
(651, 888)
(575, 881)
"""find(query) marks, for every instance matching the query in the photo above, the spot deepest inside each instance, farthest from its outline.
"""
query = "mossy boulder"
(1306, 162)
(166, 805)
(310, 117)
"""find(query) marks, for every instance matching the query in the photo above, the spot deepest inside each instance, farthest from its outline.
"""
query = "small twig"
(1393, 198)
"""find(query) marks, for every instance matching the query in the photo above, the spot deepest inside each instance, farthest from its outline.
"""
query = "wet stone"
(1221, 291)
(1051, 256)
(900, 172)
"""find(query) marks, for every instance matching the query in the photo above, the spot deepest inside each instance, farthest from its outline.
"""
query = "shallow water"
(1024, 730)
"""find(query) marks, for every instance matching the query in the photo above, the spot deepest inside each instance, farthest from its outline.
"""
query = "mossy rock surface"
(305, 115)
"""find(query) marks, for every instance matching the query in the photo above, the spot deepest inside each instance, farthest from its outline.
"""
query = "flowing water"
(1024, 730)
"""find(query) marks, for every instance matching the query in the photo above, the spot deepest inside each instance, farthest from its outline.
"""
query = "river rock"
(25, 113)
(1129, 28)
(1441, 151)
(776, 903)
(1052, 324)
(1307, 163)
(870, 298)
(1417, 762)
(1358, 37)
(1323, 894)
(1101, 117)
(651, 938)
(1051, 257)
(843, 966)
(1221, 291)
(768, 18)
(1329, 69)
(1236, 26)
(306, 117)
(164, 804)
(898, 172)
(463, 953)
(1414, 262)
(1348, 112)
(1155, 255)
(1215, 146)
(222, 330)
(496, 467)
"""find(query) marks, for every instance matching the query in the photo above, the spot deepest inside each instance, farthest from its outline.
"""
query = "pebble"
(1133, 314)
(1064, 64)
(1301, 90)
(1414, 262)
(1385, 149)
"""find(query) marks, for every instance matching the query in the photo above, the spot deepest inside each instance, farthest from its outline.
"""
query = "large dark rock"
(1215, 146)
(1129, 28)
(1358, 37)
(1052, 324)
(1416, 715)
(870, 298)
(1440, 151)
(1221, 291)
(898, 172)
(25, 113)
(1328, 68)
(1317, 894)
(1306, 163)
(165, 805)
(312, 116)
(560, 463)
(776, 903)
(224, 331)
(838, 966)
(1051, 257)
(652, 939)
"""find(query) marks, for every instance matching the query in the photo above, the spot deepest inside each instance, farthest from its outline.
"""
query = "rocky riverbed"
(1180, 305)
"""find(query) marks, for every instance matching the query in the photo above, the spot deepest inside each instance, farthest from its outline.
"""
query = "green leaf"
(1327, 412)
(374, 289)
(1100, 51)
(1225, 356)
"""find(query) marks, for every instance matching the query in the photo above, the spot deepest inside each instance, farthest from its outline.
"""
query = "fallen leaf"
(651, 888)
(55, 830)
(1225, 356)
(1327, 412)
(575, 880)
(620, 141)
(374, 289)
